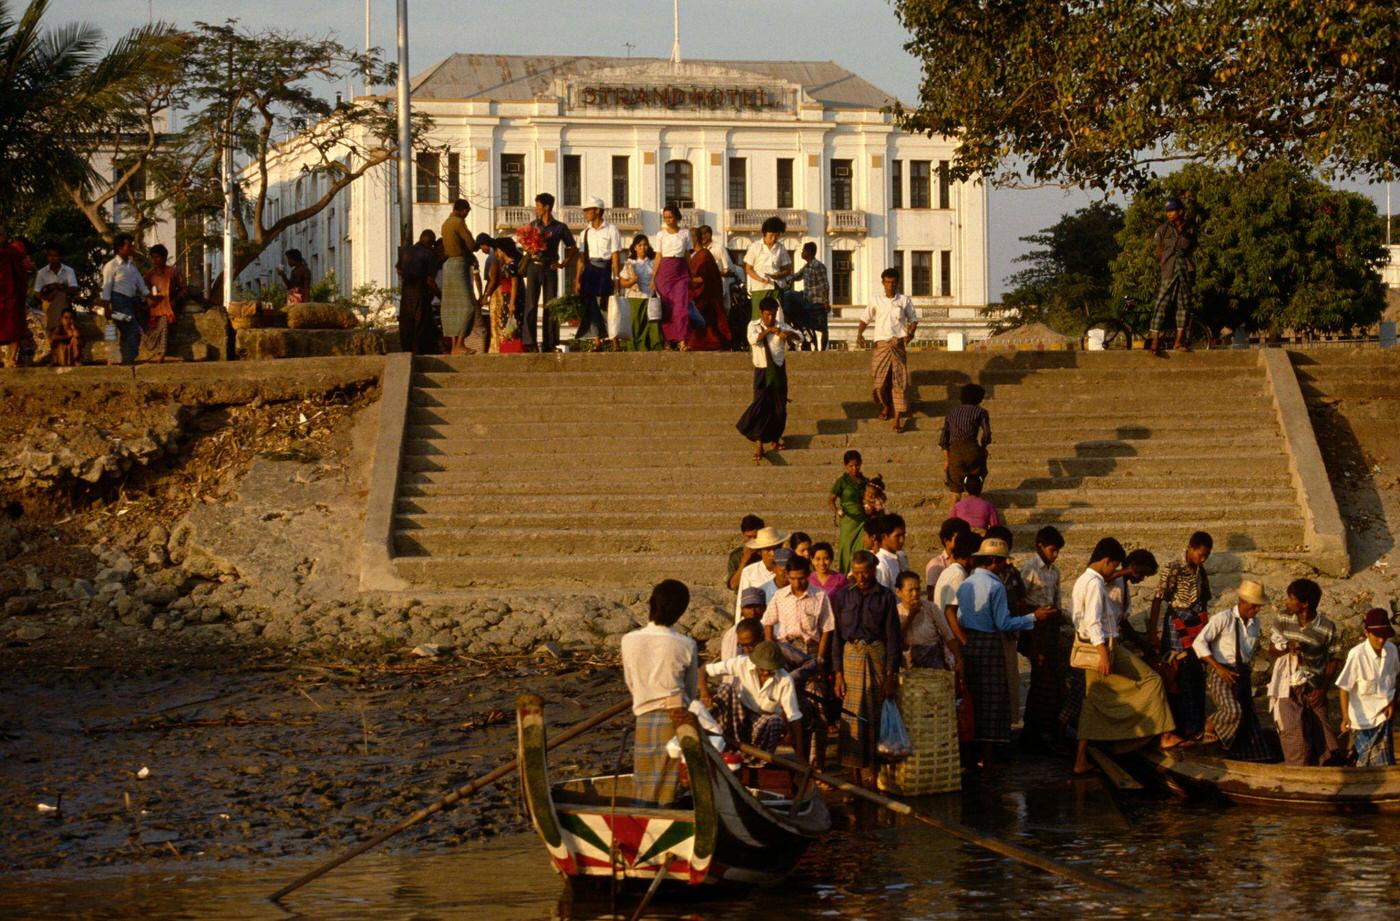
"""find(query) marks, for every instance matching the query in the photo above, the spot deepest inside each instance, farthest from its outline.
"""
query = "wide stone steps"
(1106, 494)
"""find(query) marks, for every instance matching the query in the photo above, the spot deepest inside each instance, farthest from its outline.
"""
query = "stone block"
(256, 344)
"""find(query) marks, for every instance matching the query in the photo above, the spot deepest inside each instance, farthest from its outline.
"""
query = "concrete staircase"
(610, 471)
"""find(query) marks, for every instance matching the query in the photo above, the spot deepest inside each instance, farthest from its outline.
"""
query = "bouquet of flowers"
(531, 242)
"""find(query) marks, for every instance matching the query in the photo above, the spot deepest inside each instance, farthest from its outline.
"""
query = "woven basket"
(926, 703)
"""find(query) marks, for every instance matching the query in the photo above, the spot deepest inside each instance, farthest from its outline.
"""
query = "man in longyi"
(865, 662)
(1123, 697)
(661, 667)
(1305, 647)
(895, 321)
(1225, 647)
(759, 704)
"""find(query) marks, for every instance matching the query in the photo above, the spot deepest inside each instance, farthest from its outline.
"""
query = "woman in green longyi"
(847, 502)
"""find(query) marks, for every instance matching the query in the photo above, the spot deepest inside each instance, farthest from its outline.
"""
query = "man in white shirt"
(895, 322)
(889, 555)
(57, 285)
(599, 264)
(1368, 685)
(1226, 646)
(945, 592)
(1123, 697)
(761, 706)
(766, 263)
(759, 573)
(661, 668)
(124, 294)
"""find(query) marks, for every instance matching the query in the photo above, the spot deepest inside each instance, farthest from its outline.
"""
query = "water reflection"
(1187, 859)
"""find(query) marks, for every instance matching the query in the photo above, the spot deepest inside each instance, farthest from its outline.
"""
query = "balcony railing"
(846, 222)
(513, 216)
(624, 218)
(750, 220)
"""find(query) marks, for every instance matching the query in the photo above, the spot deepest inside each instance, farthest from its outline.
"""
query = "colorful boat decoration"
(722, 833)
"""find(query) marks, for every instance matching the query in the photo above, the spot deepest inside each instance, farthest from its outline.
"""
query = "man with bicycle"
(1175, 246)
(815, 300)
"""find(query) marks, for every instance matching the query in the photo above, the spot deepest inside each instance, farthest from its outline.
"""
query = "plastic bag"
(654, 309)
(894, 739)
(697, 319)
(619, 318)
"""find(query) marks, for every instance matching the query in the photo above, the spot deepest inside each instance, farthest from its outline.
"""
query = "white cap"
(594, 202)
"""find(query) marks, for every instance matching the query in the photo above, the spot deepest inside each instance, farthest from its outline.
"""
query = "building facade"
(732, 142)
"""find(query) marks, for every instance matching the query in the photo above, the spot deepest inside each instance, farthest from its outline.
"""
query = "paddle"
(1005, 848)
(451, 799)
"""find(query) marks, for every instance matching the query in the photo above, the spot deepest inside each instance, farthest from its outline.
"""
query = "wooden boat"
(722, 833)
(1330, 789)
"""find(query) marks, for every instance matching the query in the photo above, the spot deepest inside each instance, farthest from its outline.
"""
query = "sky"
(862, 35)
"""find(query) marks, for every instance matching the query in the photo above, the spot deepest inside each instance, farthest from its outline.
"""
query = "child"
(967, 431)
(872, 532)
(924, 642)
(947, 533)
(661, 667)
(66, 341)
(873, 501)
(801, 544)
(945, 593)
(1367, 684)
(976, 511)
(823, 576)
(1040, 578)
(891, 552)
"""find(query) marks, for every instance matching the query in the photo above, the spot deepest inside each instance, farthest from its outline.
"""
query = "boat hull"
(727, 835)
(1320, 789)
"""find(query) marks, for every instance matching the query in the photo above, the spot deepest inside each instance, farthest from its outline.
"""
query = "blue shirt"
(982, 606)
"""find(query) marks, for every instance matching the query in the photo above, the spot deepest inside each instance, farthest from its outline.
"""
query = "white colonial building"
(733, 142)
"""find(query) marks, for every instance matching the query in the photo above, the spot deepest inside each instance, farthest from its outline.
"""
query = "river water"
(1207, 861)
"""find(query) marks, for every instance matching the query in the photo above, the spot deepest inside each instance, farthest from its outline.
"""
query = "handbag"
(654, 309)
(619, 317)
(1085, 655)
(697, 320)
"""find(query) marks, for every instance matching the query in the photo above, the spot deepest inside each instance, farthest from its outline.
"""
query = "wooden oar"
(997, 845)
(450, 800)
(655, 885)
(1113, 770)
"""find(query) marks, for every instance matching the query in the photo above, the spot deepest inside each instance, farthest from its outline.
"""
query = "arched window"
(680, 187)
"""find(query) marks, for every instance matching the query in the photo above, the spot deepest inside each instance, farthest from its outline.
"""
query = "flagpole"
(405, 135)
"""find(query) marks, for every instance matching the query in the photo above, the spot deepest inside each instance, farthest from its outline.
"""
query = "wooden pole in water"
(448, 801)
(957, 830)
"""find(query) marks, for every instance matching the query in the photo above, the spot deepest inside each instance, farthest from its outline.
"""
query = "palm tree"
(58, 88)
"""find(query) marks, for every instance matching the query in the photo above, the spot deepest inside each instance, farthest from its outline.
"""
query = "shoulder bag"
(1085, 655)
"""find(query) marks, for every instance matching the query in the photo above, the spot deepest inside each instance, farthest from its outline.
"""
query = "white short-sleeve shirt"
(600, 242)
(766, 261)
(673, 244)
(777, 345)
(755, 575)
(889, 317)
(1369, 681)
(46, 276)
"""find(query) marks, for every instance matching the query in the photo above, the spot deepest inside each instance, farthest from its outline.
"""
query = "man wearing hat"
(1225, 646)
(1368, 685)
(760, 705)
(1174, 244)
(595, 279)
(759, 573)
(985, 617)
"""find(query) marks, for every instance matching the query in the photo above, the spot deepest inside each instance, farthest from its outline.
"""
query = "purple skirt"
(673, 287)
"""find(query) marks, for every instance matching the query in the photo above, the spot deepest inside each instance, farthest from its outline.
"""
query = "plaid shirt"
(800, 620)
(965, 422)
(815, 286)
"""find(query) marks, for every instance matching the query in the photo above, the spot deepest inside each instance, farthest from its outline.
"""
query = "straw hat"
(765, 538)
(1252, 592)
(766, 656)
(993, 546)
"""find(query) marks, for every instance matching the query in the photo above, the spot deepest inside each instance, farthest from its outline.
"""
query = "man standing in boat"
(865, 663)
(1225, 646)
(661, 667)
(1304, 645)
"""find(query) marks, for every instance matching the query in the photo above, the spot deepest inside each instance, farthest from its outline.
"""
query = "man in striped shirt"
(967, 431)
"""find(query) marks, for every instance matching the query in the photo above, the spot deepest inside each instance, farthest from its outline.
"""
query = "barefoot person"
(1226, 646)
(1174, 245)
(895, 322)
(661, 667)
(847, 501)
(459, 306)
(766, 418)
(967, 431)
(864, 663)
(1369, 690)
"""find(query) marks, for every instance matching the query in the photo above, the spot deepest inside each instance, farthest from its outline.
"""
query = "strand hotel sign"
(680, 98)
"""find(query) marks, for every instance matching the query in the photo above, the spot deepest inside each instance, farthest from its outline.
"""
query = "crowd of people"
(822, 631)
(139, 302)
(677, 291)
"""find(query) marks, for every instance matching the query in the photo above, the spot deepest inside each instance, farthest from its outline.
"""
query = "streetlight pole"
(228, 192)
(405, 136)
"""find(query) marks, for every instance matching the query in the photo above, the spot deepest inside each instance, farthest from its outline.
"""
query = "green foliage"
(58, 90)
(1097, 94)
(567, 308)
(1279, 250)
(325, 291)
(274, 295)
(1067, 279)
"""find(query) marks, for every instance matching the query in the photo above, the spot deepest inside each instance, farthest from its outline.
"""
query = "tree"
(247, 89)
(1279, 250)
(1100, 94)
(1067, 279)
(57, 93)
